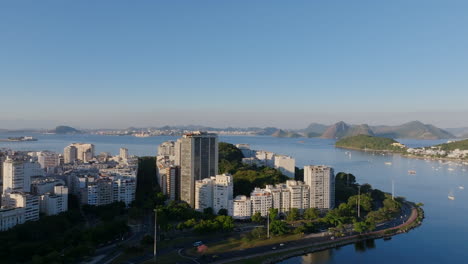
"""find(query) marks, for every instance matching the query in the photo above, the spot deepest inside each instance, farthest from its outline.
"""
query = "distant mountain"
(414, 130)
(461, 132)
(286, 134)
(315, 128)
(66, 130)
(267, 131)
(342, 130)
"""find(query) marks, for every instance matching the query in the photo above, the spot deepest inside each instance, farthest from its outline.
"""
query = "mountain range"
(410, 130)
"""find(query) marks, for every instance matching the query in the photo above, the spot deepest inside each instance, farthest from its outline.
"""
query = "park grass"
(239, 244)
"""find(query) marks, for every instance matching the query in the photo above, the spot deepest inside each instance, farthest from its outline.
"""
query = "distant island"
(452, 150)
(366, 142)
(66, 130)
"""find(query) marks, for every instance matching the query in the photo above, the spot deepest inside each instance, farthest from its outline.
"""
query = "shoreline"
(409, 156)
(415, 220)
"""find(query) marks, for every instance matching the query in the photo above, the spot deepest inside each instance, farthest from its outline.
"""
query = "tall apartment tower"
(123, 153)
(321, 180)
(70, 154)
(13, 176)
(197, 154)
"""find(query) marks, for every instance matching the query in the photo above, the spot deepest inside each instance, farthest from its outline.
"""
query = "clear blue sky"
(284, 63)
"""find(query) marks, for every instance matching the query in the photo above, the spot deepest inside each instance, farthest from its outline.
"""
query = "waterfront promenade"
(316, 242)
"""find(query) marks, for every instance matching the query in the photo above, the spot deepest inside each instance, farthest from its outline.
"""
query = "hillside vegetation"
(366, 142)
(461, 145)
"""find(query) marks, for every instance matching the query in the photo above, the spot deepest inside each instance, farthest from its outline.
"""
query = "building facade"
(321, 180)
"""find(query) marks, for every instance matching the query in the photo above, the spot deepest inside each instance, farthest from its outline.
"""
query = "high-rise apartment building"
(321, 180)
(123, 153)
(242, 207)
(285, 164)
(197, 154)
(54, 202)
(261, 201)
(82, 151)
(17, 174)
(215, 192)
(70, 154)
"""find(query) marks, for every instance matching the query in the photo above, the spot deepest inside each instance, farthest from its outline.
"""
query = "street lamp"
(155, 233)
(359, 202)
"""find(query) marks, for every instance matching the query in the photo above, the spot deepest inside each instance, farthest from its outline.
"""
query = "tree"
(208, 211)
(360, 227)
(257, 217)
(311, 213)
(223, 211)
(293, 214)
(278, 227)
(365, 202)
(273, 213)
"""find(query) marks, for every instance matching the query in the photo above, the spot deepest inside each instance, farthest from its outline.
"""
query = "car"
(198, 243)
(281, 245)
(273, 248)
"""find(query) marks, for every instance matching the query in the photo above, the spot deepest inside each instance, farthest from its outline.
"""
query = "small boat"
(387, 238)
(411, 172)
(451, 169)
(388, 163)
(451, 196)
(461, 187)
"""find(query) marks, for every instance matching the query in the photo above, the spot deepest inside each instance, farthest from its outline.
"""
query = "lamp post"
(359, 202)
(268, 224)
(155, 233)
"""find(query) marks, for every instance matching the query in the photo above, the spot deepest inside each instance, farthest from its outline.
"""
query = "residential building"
(84, 152)
(29, 202)
(215, 192)
(197, 154)
(9, 217)
(70, 154)
(242, 207)
(261, 200)
(285, 164)
(123, 153)
(246, 151)
(55, 202)
(321, 180)
(266, 157)
(48, 159)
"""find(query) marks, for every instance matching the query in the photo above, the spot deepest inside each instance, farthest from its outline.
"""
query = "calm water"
(441, 239)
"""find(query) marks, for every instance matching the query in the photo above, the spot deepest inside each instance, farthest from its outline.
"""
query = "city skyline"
(244, 63)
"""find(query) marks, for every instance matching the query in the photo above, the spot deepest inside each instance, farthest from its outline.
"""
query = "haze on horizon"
(115, 64)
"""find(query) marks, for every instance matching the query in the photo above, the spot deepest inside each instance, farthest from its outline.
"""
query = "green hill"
(461, 145)
(414, 129)
(285, 134)
(366, 142)
(66, 130)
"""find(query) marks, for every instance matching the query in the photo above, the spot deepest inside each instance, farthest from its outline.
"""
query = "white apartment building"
(48, 159)
(124, 190)
(242, 207)
(285, 164)
(215, 192)
(204, 194)
(167, 149)
(261, 200)
(223, 191)
(79, 151)
(123, 153)
(321, 180)
(246, 151)
(29, 202)
(266, 157)
(55, 202)
(17, 174)
(253, 161)
(9, 217)
(42, 185)
(70, 154)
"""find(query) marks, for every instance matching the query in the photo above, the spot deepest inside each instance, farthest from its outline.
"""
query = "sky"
(115, 64)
